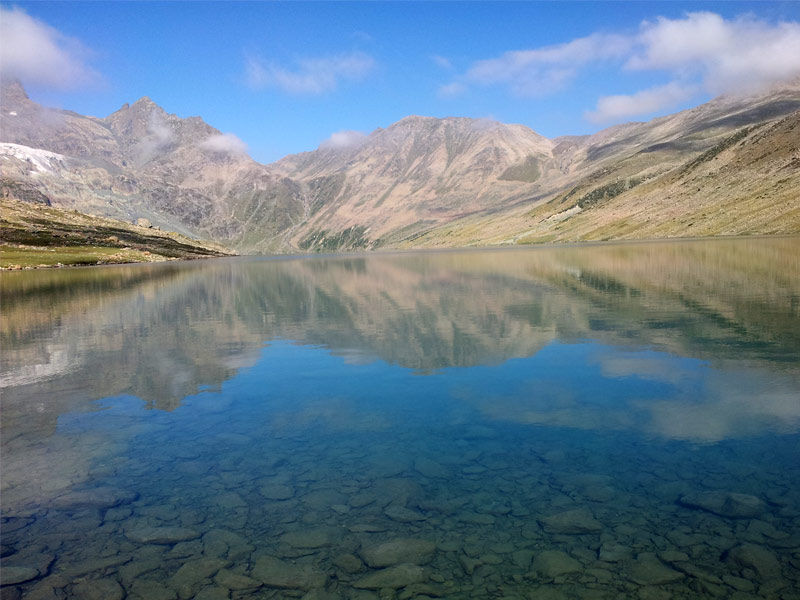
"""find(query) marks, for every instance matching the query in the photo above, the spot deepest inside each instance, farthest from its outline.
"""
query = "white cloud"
(621, 107)
(530, 73)
(442, 61)
(700, 52)
(739, 55)
(344, 139)
(224, 143)
(451, 90)
(38, 54)
(311, 75)
(159, 137)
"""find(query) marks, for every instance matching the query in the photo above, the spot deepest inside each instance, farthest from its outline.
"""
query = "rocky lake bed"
(489, 515)
(581, 423)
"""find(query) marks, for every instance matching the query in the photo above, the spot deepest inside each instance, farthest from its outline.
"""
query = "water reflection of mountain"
(159, 332)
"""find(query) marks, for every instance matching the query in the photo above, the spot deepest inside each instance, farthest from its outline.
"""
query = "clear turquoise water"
(616, 421)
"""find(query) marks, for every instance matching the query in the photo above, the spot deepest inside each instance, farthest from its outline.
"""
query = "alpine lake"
(600, 421)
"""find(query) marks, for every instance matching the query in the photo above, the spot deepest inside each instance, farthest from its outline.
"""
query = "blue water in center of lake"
(603, 422)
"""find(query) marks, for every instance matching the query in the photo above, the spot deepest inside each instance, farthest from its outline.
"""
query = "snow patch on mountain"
(41, 161)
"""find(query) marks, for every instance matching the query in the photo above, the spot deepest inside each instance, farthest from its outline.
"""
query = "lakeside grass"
(17, 257)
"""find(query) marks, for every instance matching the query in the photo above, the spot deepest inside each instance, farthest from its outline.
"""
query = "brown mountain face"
(458, 182)
(421, 171)
(728, 166)
(141, 162)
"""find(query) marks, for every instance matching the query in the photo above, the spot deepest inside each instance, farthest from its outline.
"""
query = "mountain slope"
(404, 187)
(35, 234)
(141, 162)
(747, 183)
(419, 170)
(727, 166)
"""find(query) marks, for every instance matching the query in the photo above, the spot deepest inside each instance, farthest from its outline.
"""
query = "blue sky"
(284, 77)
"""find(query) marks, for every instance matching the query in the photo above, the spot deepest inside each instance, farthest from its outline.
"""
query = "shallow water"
(615, 421)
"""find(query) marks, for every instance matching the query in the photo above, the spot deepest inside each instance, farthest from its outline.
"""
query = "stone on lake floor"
(184, 549)
(755, 557)
(276, 491)
(148, 589)
(323, 499)
(552, 563)
(368, 527)
(100, 497)
(188, 577)
(278, 573)
(576, 521)
(321, 595)
(222, 542)
(308, 538)
(161, 535)
(98, 589)
(12, 575)
(361, 499)
(725, 504)
(430, 468)
(648, 570)
(673, 556)
(16, 523)
(611, 552)
(490, 558)
(403, 514)
(522, 558)
(468, 563)
(393, 552)
(91, 565)
(130, 571)
(212, 593)
(349, 563)
(235, 581)
(395, 577)
(476, 518)
(229, 500)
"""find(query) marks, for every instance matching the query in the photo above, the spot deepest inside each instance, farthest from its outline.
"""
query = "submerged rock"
(725, 504)
(100, 497)
(98, 589)
(430, 468)
(648, 570)
(393, 552)
(403, 514)
(277, 491)
(349, 563)
(187, 579)
(576, 521)
(611, 552)
(522, 558)
(212, 593)
(161, 535)
(278, 573)
(235, 581)
(12, 575)
(393, 578)
(321, 595)
(755, 557)
(147, 589)
(552, 563)
(308, 538)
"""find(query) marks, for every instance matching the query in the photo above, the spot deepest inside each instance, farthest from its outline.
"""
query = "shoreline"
(148, 257)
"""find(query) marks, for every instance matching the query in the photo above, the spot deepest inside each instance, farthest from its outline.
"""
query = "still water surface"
(616, 421)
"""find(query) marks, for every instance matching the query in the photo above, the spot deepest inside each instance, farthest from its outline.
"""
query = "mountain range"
(730, 166)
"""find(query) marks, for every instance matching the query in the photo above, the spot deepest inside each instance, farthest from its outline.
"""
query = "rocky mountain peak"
(12, 94)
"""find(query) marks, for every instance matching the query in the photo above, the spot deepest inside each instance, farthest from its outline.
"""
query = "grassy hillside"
(36, 235)
(746, 184)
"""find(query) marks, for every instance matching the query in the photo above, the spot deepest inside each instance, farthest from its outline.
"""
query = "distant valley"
(728, 167)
